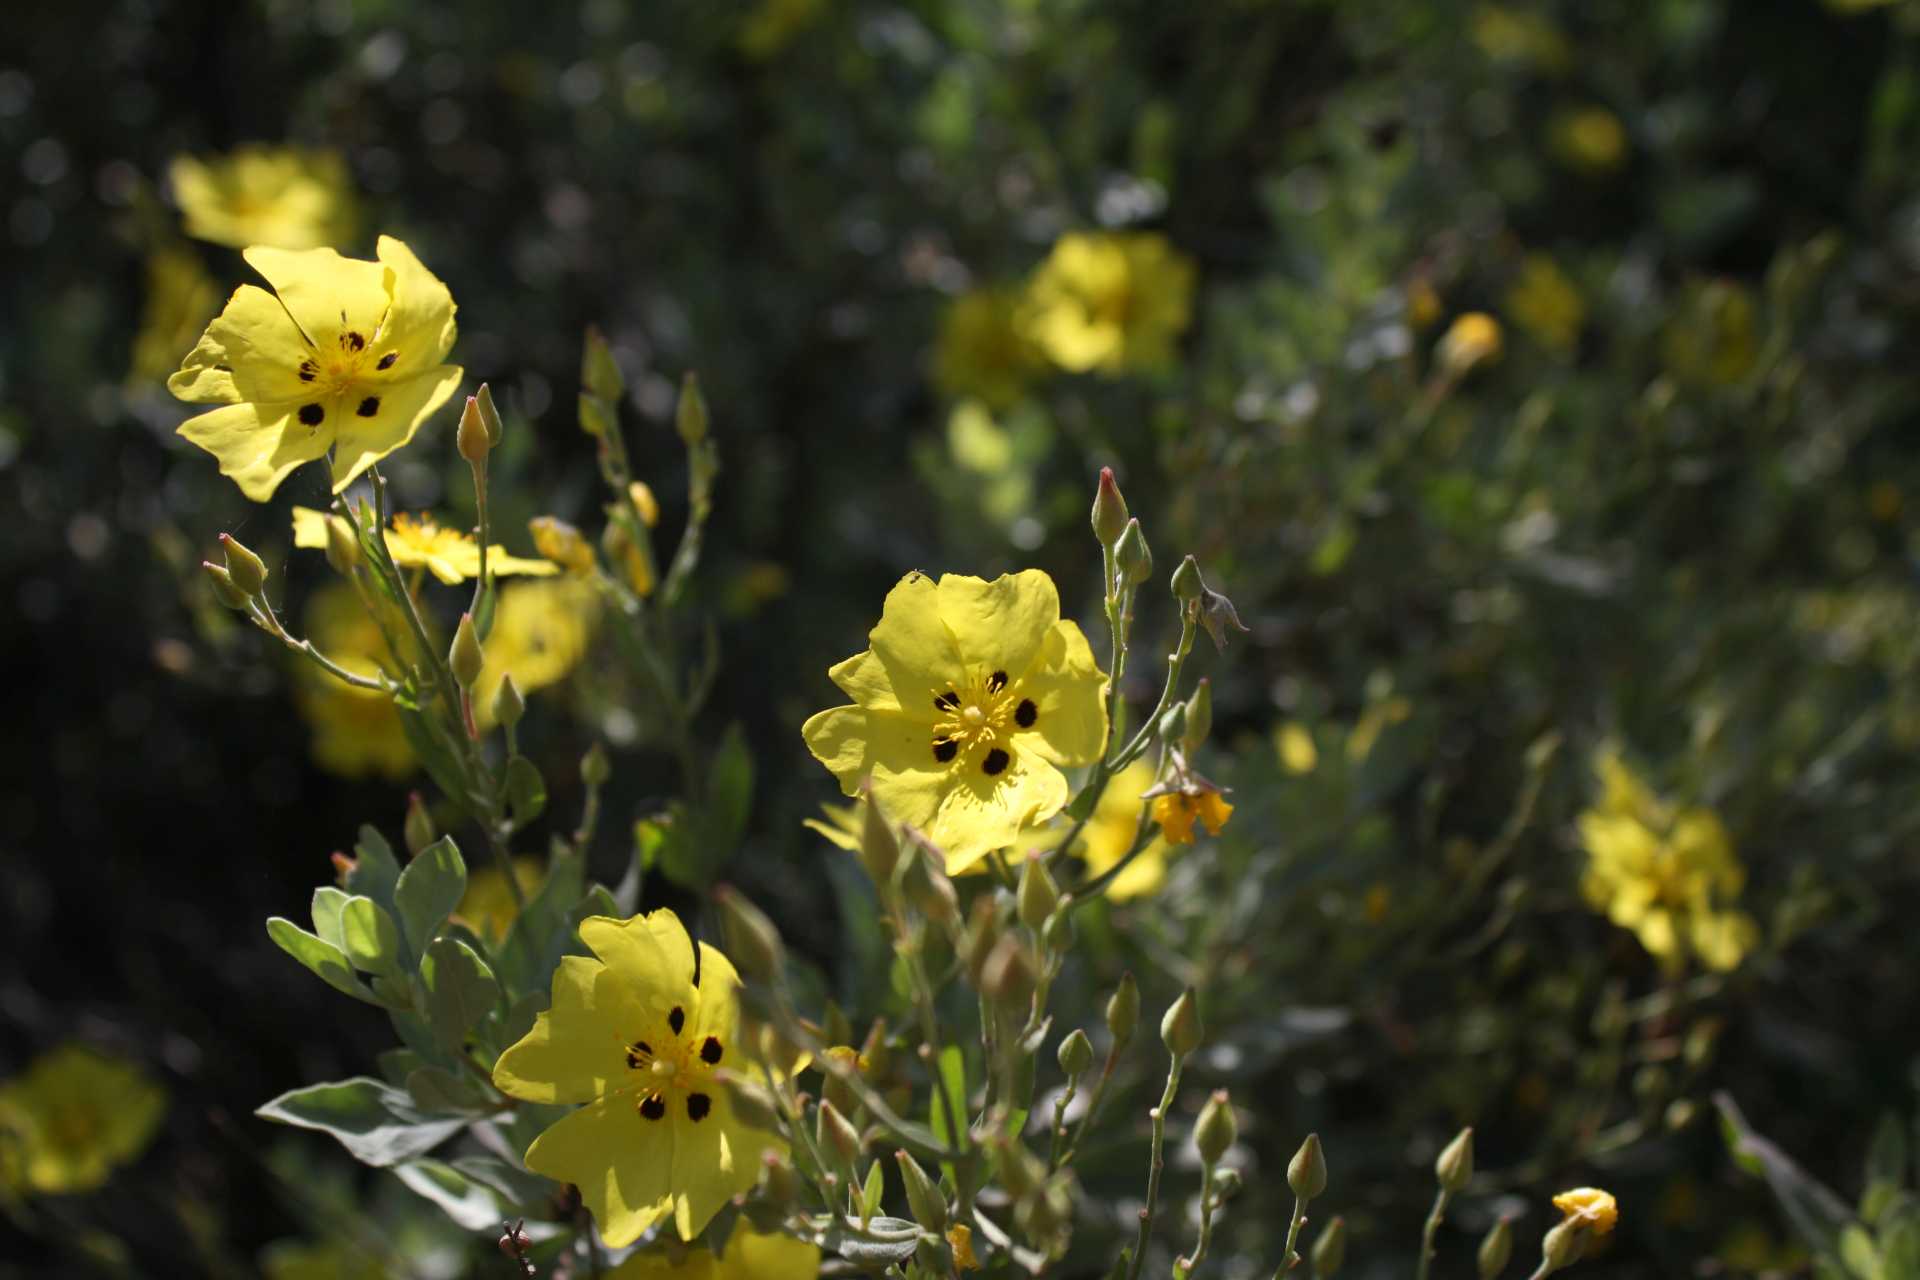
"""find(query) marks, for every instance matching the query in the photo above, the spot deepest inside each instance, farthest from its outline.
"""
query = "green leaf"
(952, 1085)
(1858, 1253)
(1887, 1156)
(1900, 1246)
(327, 904)
(369, 938)
(474, 1206)
(872, 1193)
(542, 932)
(526, 791)
(428, 891)
(1818, 1216)
(461, 990)
(896, 1245)
(326, 961)
(514, 1185)
(375, 1121)
(437, 1089)
(397, 1064)
(395, 991)
(729, 795)
(375, 871)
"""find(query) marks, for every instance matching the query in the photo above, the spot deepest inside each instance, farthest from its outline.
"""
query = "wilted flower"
(72, 1118)
(278, 197)
(1110, 301)
(1177, 810)
(1597, 1209)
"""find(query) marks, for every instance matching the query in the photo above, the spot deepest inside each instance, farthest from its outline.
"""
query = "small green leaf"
(473, 1206)
(952, 1085)
(428, 891)
(369, 938)
(326, 961)
(1900, 1247)
(872, 1193)
(526, 791)
(1887, 1156)
(375, 1121)
(395, 991)
(1857, 1251)
(327, 904)
(461, 990)
(729, 794)
(437, 1089)
(888, 1240)
(397, 1064)
(375, 872)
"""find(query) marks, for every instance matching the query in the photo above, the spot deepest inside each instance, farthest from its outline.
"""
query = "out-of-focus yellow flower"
(1110, 301)
(488, 905)
(749, 1256)
(541, 632)
(1176, 811)
(73, 1118)
(561, 543)
(1111, 831)
(1423, 303)
(1470, 340)
(1372, 723)
(181, 298)
(645, 503)
(1294, 742)
(960, 1240)
(279, 197)
(1377, 902)
(774, 24)
(1596, 1209)
(982, 351)
(1589, 139)
(355, 732)
(1507, 34)
(1713, 338)
(1668, 874)
(1546, 303)
(422, 542)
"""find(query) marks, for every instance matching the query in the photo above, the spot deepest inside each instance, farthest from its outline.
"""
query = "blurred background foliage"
(1537, 379)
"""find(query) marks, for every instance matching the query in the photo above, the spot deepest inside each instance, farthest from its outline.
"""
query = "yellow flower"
(356, 732)
(969, 701)
(279, 197)
(1110, 301)
(1594, 1208)
(1590, 139)
(635, 1039)
(487, 904)
(1298, 754)
(960, 1239)
(982, 352)
(1176, 811)
(1110, 832)
(1472, 339)
(749, 1256)
(541, 632)
(1669, 875)
(561, 543)
(346, 359)
(74, 1117)
(1546, 303)
(181, 298)
(421, 542)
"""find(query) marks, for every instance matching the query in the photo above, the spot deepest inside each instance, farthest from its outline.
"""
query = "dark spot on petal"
(369, 407)
(948, 701)
(945, 749)
(312, 415)
(307, 371)
(710, 1051)
(1026, 713)
(643, 1047)
(677, 1019)
(698, 1104)
(386, 361)
(633, 1060)
(653, 1108)
(996, 762)
(996, 682)
(352, 341)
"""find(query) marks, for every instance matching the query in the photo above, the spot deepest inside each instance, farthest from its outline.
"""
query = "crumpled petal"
(257, 445)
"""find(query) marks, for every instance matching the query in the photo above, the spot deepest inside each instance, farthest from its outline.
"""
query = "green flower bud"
(753, 944)
(753, 1103)
(1187, 583)
(223, 589)
(343, 546)
(930, 1256)
(1018, 1171)
(1454, 1168)
(1307, 1171)
(1199, 720)
(490, 416)
(1007, 977)
(472, 437)
(1226, 1184)
(982, 935)
(690, 417)
(1330, 1248)
(1135, 561)
(1173, 723)
(596, 419)
(1180, 1027)
(418, 825)
(778, 1182)
(925, 885)
(1038, 896)
(1109, 510)
(599, 372)
(465, 656)
(1058, 932)
(929, 1207)
(248, 571)
(836, 1133)
(879, 847)
(1496, 1249)
(1561, 1246)
(1123, 1011)
(595, 768)
(1216, 1129)
(509, 705)
(1075, 1054)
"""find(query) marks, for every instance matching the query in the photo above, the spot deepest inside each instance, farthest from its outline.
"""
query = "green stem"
(486, 532)
(1184, 1267)
(1082, 894)
(1175, 664)
(1431, 1230)
(1291, 1258)
(1093, 1109)
(1154, 1168)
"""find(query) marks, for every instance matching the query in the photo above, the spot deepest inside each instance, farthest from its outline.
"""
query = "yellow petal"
(978, 814)
(913, 644)
(330, 297)
(623, 1165)
(651, 953)
(251, 351)
(752, 1256)
(715, 1158)
(1000, 625)
(1070, 692)
(368, 427)
(576, 1050)
(420, 325)
(257, 445)
(309, 529)
(863, 677)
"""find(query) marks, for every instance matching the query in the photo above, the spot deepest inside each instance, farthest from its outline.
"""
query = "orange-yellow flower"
(1176, 811)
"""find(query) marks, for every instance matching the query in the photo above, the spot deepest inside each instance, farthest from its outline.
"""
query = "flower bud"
(418, 826)
(599, 372)
(1496, 1249)
(1187, 584)
(465, 656)
(778, 1182)
(836, 1132)
(1018, 1171)
(1227, 1184)
(561, 543)
(1075, 1054)
(596, 419)
(1123, 1011)
(247, 570)
(1199, 720)
(1109, 510)
(343, 546)
(472, 437)
(1330, 1248)
(1307, 1171)
(1173, 723)
(923, 1198)
(753, 1103)
(1216, 1129)
(982, 934)
(1039, 895)
(1454, 1168)
(923, 882)
(1561, 1246)
(1058, 932)
(1180, 1027)
(223, 589)
(753, 944)
(509, 704)
(1007, 977)
(879, 847)
(1131, 555)
(595, 768)
(1470, 340)
(690, 418)
(490, 416)
(644, 502)
(629, 557)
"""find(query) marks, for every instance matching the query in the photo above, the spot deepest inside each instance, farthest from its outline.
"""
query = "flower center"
(679, 1067)
(340, 372)
(976, 723)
